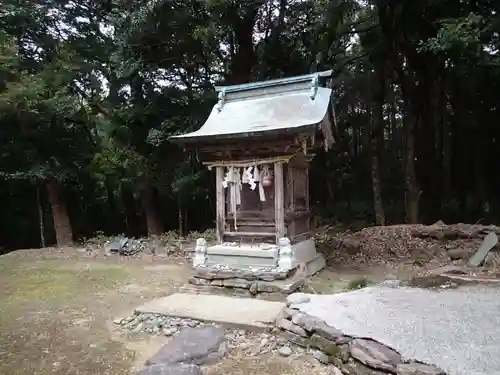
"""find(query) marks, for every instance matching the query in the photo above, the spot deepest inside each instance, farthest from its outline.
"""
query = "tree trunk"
(377, 192)
(40, 217)
(386, 15)
(330, 192)
(131, 221)
(62, 224)
(244, 58)
(153, 220)
(376, 145)
(179, 215)
(394, 126)
(412, 194)
(426, 102)
(186, 222)
(114, 225)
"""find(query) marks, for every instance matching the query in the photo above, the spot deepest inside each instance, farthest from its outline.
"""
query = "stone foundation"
(262, 270)
(250, 274)
(267, 283)
(350, 355)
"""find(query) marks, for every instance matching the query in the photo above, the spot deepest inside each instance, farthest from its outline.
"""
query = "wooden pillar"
(307, 189)
(290, 189)
(279, 201)
(220, 219)
(308, 198)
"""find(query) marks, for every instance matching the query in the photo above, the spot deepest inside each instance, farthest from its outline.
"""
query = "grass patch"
(38, 303)
(48, 282)
(323, 285)
(360, 283)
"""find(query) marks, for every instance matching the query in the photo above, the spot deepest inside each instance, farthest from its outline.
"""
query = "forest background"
(90, 91)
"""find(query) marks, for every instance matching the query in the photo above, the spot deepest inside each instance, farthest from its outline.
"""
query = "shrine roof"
(261, 108)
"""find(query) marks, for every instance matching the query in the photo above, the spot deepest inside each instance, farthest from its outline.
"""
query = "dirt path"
(57, 307)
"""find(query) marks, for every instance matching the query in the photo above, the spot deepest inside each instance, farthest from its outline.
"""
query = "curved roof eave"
(286, 112)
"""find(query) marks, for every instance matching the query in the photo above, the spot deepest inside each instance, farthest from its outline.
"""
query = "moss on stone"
(326, 346)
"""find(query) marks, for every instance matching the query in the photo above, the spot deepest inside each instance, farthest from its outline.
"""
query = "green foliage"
(90, 93)
(359, 284)
(465, 33)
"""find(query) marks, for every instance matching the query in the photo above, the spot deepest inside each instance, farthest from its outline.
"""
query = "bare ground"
(57, 307)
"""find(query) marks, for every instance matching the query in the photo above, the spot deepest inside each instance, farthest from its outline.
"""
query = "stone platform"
(264, 255)
(230, 312)
(262, 270)
(263, 283)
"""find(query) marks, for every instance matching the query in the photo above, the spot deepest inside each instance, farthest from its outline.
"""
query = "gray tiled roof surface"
(278, 105)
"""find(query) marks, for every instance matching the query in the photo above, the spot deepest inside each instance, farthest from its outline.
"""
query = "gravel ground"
(455, 329)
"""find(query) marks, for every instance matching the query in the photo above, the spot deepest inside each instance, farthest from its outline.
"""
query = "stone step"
(220, 291)
(232, 292)
(234, 313)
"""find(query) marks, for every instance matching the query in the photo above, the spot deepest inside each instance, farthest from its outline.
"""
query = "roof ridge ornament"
(222, 99)
(314, 86)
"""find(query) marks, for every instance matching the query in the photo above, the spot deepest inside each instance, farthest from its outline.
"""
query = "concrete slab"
(304, 251)
(316, 265)
(231, 312)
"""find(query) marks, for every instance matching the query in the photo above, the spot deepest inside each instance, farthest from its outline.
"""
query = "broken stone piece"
(169, 331)
(330, 333)
(192, 346)
(456, 254)
(285, 351)
(312, 324)
(450, 270)
(297, 299)
(289, 326)
(375, 355)
(320, 356)
(171, 369)
(295, 339)
(305, 321)
(342, 356)
(237, 283)
(325, 345)
(357, 368)
(489, 242)
(253, 288)
(418, 369)
(116, 244)
(286, 313)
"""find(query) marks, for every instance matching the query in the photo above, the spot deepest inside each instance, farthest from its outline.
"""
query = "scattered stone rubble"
(195, 343)
(428, 246)
(250, 343)
(207, 344)
(155, 323)
(165, 245)
(350, 355)
(441, 231)
(125, 246)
